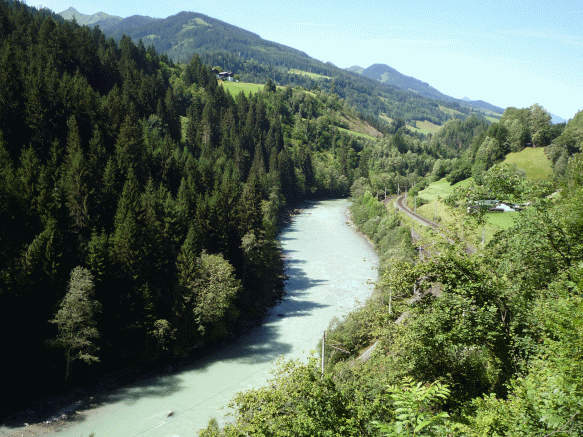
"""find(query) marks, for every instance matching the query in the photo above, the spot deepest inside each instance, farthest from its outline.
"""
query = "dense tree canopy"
(140, 203)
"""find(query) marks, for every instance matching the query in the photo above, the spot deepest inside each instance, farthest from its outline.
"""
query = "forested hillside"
(254, 59)
(140, 202)
(457, 343)
(390, 76)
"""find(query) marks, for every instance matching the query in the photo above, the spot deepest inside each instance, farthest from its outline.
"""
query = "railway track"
(401, 205)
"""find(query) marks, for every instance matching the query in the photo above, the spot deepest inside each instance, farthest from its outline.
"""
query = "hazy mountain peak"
(355, 69)
(100, 18)
(389, 76)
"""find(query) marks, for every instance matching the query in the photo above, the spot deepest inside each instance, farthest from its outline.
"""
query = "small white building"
(223, 75)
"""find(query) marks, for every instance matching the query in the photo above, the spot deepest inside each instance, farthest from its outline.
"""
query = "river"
(330, 267)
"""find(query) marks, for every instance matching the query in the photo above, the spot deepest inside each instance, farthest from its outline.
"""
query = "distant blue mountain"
(388, 75)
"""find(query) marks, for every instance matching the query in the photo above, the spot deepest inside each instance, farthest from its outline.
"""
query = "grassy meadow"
(533, 161)
(424, 127)
(440, 189)
(306, 73)
(241, 87)
(449, 218)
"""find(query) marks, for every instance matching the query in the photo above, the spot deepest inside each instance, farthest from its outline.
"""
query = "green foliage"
(75, 320)
(415, 406)
(95, 172)
(548, 398)
(533, 161)
(176, 232)
(213, 289)
(297, 402)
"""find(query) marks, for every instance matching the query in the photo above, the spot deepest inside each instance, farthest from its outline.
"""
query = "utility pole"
(415, 209)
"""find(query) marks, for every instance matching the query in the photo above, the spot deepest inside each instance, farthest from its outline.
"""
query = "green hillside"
(388, 75)
(533, 161)
(235, 88)
(257, 60)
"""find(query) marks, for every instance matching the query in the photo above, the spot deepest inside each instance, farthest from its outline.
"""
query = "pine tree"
(249, 208)
(129, 147)
(76, 179)
(125, 243)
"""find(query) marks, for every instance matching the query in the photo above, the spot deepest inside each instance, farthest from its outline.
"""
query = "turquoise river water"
(331, 269)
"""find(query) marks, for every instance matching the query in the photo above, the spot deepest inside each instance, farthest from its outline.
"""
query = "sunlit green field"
(502, 220)
(450, 111)
(449, 218)
(533, 161)
(312, 75)
(440, 189)
(241, 87)
(425, 127)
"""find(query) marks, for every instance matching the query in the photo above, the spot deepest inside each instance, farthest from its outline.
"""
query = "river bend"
(330, 267)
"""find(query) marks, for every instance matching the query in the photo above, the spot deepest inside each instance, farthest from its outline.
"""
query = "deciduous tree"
(75, 320)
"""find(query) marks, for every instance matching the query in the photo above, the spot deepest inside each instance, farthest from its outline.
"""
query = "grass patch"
(425, 127)
(183, 125)
(434, 210)
(306, 73)
(440, 189)
(358, 134)
(201, 22)
(428, 126)
(451, 111)
(533, 161)
(502, 220)
(241, 87)
(449, 218)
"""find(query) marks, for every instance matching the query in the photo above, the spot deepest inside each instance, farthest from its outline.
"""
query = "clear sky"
(508, 53)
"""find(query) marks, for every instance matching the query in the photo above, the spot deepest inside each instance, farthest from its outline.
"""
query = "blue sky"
(507, 53)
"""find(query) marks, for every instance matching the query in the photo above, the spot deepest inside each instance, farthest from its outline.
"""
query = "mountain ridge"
(186, 33)
(390, 76)
(99, 18)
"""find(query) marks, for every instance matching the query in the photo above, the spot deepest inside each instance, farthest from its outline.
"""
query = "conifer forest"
(140, 204)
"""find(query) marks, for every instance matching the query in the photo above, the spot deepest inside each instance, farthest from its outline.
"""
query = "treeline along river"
(330, 267)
